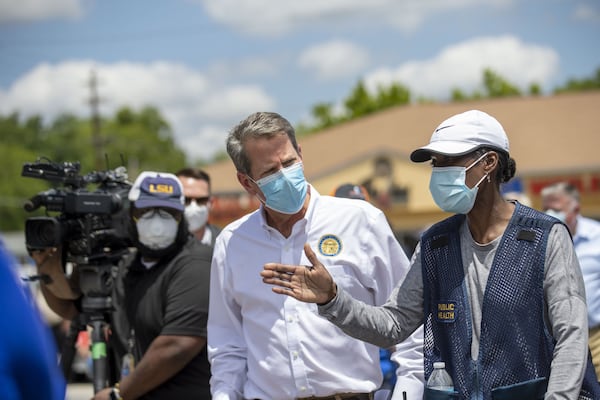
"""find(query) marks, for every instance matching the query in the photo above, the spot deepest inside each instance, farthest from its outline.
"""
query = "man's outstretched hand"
(308, 283)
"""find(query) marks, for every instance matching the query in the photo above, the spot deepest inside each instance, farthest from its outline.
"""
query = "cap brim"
(158, 203)
(446, 148)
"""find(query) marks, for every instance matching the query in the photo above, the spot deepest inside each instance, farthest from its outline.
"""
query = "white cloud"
(336, 59)
(234, 101)
(189, 101)
(37, 10)
(273, 17)
(207, 139)
(461, 66)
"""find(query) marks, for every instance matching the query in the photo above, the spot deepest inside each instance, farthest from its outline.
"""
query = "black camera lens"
(42, 232)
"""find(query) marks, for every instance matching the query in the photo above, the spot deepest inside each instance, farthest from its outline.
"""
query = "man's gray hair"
(260, 124)
(561, 188)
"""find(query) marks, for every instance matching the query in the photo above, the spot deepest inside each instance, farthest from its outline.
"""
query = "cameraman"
(162, 294)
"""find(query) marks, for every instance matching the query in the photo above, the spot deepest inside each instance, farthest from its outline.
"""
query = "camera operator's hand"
(43, 256)
(49, 265)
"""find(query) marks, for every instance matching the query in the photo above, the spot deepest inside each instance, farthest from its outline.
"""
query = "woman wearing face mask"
(497, 285)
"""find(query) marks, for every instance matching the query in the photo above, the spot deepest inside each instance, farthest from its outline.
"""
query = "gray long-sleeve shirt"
(564, 295)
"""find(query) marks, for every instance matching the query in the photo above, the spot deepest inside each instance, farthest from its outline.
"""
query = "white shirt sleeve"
(410, 375)
(408, 355)
(226, 345)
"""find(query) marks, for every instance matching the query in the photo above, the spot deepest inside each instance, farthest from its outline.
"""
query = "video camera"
(91, 227)
(91, 223)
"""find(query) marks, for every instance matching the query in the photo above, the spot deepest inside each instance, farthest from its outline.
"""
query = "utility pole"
(97, 141)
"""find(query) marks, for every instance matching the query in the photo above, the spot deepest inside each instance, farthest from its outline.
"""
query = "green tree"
(458, 95)
(14, 188)
(142, 139)
(497, 86)
(323, 114)
(535, 89)
(578, 85)
(394, 95)
(359, 102)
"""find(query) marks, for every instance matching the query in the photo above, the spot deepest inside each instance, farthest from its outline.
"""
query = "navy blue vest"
(515, 344)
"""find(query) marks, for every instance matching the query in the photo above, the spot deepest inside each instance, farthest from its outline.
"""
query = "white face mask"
(157, 229)
(560, 215)
(196, 216)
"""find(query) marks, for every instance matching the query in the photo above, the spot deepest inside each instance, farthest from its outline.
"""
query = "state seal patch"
(330, 245)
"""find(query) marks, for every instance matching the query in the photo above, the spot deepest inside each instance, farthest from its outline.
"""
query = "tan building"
(551, 138)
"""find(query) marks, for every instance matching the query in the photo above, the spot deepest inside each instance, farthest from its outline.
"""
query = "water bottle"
(440, 379)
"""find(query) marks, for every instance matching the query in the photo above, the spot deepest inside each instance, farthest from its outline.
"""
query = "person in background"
(351, 191)
(161, 296)
(264, 346)
(198, 202)
(562, 200)
(497, 285)
(28, 356)
(392, 371)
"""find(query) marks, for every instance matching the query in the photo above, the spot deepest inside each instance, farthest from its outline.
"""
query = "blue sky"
(207, 64)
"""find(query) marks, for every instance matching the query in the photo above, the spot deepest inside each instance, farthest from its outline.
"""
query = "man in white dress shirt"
(265, 346)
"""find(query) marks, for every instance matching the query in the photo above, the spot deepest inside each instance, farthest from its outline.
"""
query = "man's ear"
(244, 181)
(249, 186)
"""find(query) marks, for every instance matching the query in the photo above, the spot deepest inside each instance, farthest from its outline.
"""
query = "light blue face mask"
(449, 190)
(285, 190)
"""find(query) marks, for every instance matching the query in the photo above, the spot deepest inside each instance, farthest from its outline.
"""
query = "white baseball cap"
(463, 133)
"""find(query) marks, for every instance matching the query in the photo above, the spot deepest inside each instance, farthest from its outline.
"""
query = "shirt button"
(295, 355)
(303, 388)
(290, 319)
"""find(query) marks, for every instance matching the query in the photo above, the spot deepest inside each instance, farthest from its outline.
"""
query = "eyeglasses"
(164, 213)
(199, 200)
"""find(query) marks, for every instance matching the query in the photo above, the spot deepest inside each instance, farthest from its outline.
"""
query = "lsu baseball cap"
(157, 189)
(462, 134)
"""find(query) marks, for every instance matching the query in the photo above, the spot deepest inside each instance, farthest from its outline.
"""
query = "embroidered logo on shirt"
(330, 245)
(445, 311)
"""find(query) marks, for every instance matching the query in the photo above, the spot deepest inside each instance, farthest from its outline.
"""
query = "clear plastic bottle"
(440, 379)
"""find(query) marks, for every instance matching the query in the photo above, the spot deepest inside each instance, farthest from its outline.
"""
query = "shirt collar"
(585, 230)
(314, 195)
(207, 237)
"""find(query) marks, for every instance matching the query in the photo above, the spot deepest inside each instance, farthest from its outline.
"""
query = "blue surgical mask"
(285, 190)
(449, 190)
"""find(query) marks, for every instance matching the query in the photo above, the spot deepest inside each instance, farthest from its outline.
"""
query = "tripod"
(96, 307)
